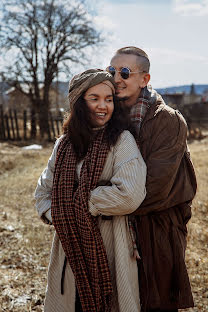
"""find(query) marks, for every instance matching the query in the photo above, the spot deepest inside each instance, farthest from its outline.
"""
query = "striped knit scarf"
(137, 114)
(77, 229)
(139, 109)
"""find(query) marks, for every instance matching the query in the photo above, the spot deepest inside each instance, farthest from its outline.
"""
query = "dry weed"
(25, 241)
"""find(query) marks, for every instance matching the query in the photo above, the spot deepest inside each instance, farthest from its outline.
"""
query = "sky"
(174, 33)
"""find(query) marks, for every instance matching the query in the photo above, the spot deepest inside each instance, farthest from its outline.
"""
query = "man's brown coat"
(163, 215)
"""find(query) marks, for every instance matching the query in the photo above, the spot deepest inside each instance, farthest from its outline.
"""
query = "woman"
(95, 176)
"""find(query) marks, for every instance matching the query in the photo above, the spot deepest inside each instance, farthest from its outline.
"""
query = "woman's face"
(99, 100)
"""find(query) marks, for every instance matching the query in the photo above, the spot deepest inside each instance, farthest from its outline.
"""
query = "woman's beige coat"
(126, 171)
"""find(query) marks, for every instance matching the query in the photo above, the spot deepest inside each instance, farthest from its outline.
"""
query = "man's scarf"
(137, 113)
(77, 229)
(139, 109)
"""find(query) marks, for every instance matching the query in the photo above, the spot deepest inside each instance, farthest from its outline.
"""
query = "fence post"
(16, 124)
(7, 127)
(33, 132)
(12, 123)
(52, 124)
(49, 130)
(57, 125)
(2, 128)
(25, 124)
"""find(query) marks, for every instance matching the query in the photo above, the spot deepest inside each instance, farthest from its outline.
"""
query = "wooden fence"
(16, 126)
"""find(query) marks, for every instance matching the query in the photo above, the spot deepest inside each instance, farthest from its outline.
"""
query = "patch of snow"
(33, 147)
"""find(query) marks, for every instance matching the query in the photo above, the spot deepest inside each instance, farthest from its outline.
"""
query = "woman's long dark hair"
(78, 125)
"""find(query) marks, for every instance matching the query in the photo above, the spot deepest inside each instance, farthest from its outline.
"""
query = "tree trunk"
(44, 120)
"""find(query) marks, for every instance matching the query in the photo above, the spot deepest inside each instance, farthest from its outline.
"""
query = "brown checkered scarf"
(77, 229)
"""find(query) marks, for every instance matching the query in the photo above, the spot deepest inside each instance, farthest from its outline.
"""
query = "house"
(15, 99)
(3, 97)
(193, 106)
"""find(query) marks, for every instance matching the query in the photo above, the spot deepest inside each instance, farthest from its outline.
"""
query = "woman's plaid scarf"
(77, 230)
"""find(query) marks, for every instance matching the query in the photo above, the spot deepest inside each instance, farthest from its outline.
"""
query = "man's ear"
(145, 80)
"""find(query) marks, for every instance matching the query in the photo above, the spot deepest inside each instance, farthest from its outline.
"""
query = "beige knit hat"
(89, 78)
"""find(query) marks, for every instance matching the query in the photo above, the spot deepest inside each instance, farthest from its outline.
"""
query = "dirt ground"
(25, 241)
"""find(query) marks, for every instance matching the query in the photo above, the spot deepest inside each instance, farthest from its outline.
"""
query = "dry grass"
(197, 252)
(25, 241)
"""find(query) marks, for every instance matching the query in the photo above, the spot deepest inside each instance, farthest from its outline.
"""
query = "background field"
(25, 241)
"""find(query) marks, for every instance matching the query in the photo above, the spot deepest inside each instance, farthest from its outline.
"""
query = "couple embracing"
(118, 189)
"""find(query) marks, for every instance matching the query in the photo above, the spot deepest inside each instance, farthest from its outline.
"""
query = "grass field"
(25, 241)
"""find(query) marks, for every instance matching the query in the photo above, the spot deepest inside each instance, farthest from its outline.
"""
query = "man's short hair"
(143, 59)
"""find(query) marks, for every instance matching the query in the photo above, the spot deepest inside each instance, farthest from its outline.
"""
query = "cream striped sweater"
(126, 171)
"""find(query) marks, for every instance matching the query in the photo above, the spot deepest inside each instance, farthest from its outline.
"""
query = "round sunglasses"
(124, 72)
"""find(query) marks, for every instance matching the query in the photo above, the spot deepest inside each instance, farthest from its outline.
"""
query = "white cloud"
(174, 67)
(176, 45)
(169, 56)
(104, 22)
(190, 7)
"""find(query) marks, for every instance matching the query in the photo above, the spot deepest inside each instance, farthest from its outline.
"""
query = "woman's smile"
(99, 100)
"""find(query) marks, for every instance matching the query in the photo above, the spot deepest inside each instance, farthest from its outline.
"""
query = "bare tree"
(45, 35)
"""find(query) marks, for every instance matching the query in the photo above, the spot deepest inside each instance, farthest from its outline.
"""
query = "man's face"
(128, 89)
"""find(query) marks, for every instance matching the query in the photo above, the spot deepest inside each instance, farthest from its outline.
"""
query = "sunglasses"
(124, 72)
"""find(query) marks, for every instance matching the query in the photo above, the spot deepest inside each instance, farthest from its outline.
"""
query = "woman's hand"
(136, 254)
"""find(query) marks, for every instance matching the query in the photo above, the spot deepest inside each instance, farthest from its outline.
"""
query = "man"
(171, 185)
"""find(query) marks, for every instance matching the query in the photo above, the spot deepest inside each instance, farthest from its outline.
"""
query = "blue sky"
(173, 32)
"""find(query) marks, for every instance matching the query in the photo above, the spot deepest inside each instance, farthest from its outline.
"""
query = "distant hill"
(61, 85)
(199, 89)
(64, 86)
